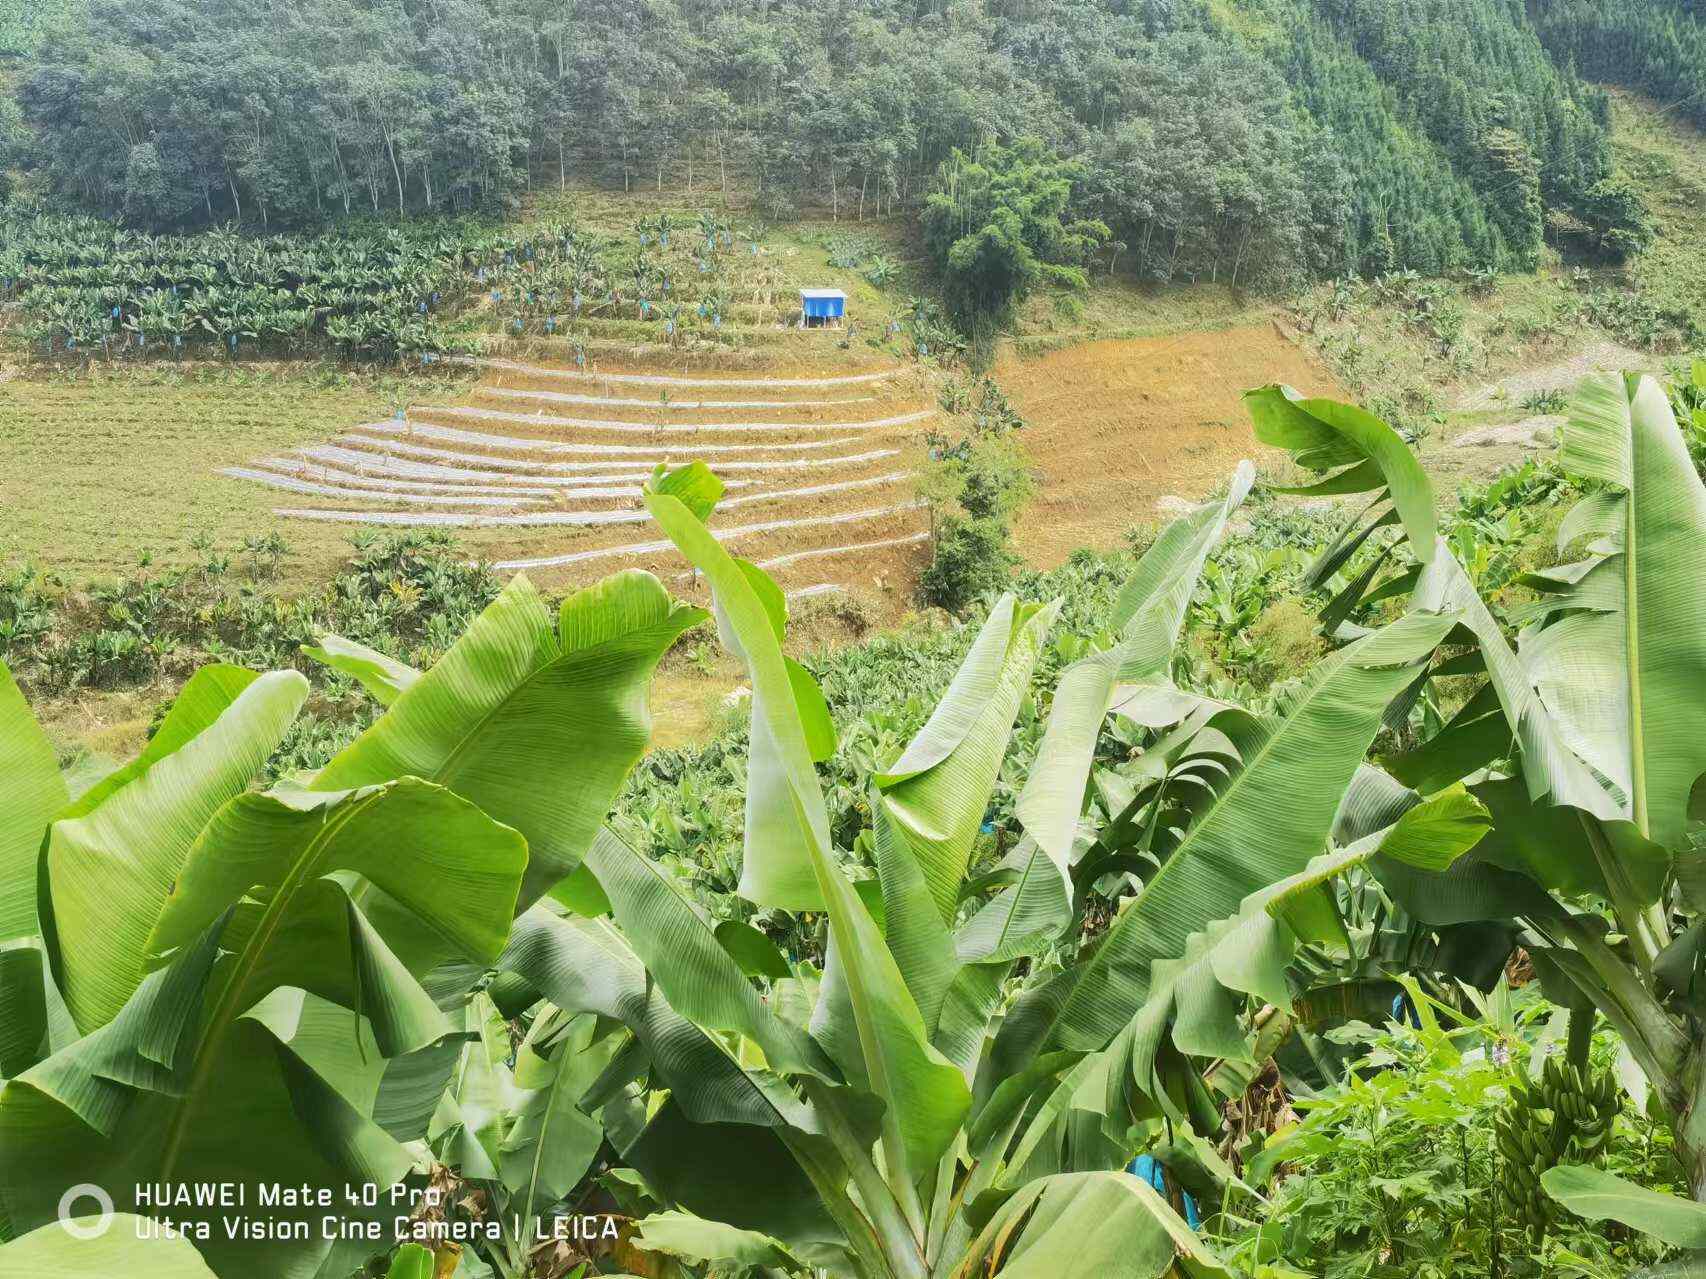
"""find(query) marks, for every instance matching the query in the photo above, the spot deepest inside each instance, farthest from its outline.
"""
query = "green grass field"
(102, 467)
(1667, 157)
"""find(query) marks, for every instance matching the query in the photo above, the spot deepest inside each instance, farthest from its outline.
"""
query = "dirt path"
(1562, 375)
(1116, 425)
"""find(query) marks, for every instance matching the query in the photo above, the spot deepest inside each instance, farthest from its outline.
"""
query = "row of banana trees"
(432, 954)
(85, 284)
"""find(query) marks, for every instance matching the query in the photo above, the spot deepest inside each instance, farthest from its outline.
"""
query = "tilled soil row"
(539, 519)
(654, 405)
(664, 548)
(534, 469)
(658, 379)
(907, 390)
(541, 420)
(363, 476)
(293, 484)
(552, 444)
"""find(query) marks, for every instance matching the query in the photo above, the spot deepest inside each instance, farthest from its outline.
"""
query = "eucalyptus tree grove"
(1242, 144)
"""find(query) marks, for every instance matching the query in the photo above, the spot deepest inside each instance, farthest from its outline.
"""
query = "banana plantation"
(85, 287)
(1104, 970)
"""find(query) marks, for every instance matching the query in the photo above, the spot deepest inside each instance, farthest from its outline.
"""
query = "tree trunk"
(391, 149)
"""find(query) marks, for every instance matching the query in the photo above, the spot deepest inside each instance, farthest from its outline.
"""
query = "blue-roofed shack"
(822, 307)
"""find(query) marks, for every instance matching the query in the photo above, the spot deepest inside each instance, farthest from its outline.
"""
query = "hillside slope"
(1228, 140)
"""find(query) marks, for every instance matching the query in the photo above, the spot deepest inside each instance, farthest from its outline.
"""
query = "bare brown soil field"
(1116, 425)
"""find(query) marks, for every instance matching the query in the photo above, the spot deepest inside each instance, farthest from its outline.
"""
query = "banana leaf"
(31, 792)
(1150, 614)
(215, 1069)
(925, 1097)
(514, 691)
(126, 1246)
(1266, 822)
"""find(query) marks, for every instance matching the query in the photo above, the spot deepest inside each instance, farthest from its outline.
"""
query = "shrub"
(1286, 640)
(973, 557)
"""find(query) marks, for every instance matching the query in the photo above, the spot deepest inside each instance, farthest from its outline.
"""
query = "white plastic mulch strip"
(273, 480)
(451, 435)
(721, 534)
(668, 406)
(350, 479)
(678, 428)
(629, 468)
(556, 468)
(444, 519)
(548, 486)
(380, 464)
(658, 379)
(820, 552)
(532, 518)
(813, 490)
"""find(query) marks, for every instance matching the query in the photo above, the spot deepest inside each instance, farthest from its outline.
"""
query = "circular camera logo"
(85, 1226)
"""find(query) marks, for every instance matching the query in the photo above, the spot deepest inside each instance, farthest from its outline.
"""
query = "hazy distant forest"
(1250, 141)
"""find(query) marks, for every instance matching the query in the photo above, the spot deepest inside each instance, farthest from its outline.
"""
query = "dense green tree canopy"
(999, 226)
(1656, 46)
(1240, 140)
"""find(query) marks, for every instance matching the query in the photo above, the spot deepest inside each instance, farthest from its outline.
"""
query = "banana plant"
(511, 1127)
(830, 1124)
(205, 983)
(1584, 739)
(122, 1245)
(936, 1101)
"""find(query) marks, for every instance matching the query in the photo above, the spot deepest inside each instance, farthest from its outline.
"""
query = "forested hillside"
(1656, 46)
(1235, 140)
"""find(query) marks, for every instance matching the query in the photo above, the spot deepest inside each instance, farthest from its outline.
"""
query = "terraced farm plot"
(540, 470)
(1117, 426)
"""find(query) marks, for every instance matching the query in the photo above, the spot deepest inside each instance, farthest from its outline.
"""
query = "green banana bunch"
(1524, 1137)
(1557, 1117)
(1585, 1108)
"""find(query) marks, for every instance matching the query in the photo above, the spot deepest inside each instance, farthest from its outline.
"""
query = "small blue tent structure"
(819, 307)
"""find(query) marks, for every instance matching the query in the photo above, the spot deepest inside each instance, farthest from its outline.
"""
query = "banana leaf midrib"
(229, 1007)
